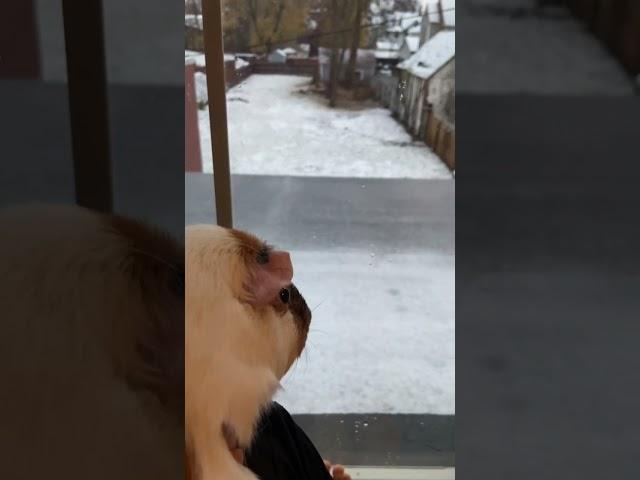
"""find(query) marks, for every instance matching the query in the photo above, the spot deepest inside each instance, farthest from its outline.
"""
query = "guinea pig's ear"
(271, 272)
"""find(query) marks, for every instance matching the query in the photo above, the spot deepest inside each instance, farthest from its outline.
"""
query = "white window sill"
(390, 473)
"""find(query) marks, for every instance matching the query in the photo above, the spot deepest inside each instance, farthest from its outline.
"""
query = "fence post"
(88, 103)
(427, 127)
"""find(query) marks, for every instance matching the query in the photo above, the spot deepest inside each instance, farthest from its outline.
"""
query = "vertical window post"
(87, 79)
(214, 55)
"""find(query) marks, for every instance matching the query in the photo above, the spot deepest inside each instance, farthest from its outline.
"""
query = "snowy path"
(382, 336)
(275, 130)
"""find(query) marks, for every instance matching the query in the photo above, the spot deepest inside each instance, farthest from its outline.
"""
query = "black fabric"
(282, 451)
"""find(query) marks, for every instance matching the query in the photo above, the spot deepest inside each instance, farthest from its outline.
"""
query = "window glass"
(342, 154)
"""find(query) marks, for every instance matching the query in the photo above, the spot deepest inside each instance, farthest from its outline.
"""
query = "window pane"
(353, 174)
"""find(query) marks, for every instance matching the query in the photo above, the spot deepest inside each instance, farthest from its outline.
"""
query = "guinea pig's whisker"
(314, 308)
(317, 330)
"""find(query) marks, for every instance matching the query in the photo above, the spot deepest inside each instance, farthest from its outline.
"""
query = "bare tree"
(360, 7)
(273, 20)
(194, 7)
(333, 82)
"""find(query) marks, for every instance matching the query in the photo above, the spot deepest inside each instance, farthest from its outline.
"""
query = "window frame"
(426, 440)
(216, 90)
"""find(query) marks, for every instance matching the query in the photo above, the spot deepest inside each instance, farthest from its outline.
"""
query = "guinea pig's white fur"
(72, 314)
(235, 354)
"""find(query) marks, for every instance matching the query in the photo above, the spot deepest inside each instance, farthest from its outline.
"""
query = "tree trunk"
(343, 51)
(333, 79)
(355, 43)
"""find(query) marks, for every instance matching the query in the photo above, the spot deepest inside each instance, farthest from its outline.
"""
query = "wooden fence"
(441, 137)
(294, 66)
(307, 67)
(435, 132)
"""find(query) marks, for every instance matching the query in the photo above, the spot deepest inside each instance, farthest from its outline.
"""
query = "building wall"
(417, 89)
(441, 86)
(425, 29)
(409, 97)
(277, 57)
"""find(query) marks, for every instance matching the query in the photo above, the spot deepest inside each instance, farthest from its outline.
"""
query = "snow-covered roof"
(386, 54)
(198, 58)
(192, 20)
(448, 12)
(386, 45)
(193, 57)
(431, 56)
(387, 49)
(285, 52)
(400, 22)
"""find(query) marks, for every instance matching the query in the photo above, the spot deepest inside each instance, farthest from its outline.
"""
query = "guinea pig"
(245, 325)
(91, 347)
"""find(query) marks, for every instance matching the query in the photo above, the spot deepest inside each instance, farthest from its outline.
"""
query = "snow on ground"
(382, 336)
(196, 58)
(240, 63)
(276, 130)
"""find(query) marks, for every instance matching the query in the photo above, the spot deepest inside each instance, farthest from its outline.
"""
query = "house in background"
(438, 15)
(365, 65)
(387, 55)
(402, 24)
(280, 55)
(427, 79)
(389, 40)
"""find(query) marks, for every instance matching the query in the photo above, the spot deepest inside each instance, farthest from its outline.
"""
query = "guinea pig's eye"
(263, 257)
(284, 295)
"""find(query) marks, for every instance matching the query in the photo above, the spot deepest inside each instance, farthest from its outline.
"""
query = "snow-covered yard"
(274, 129)
(382, 335)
